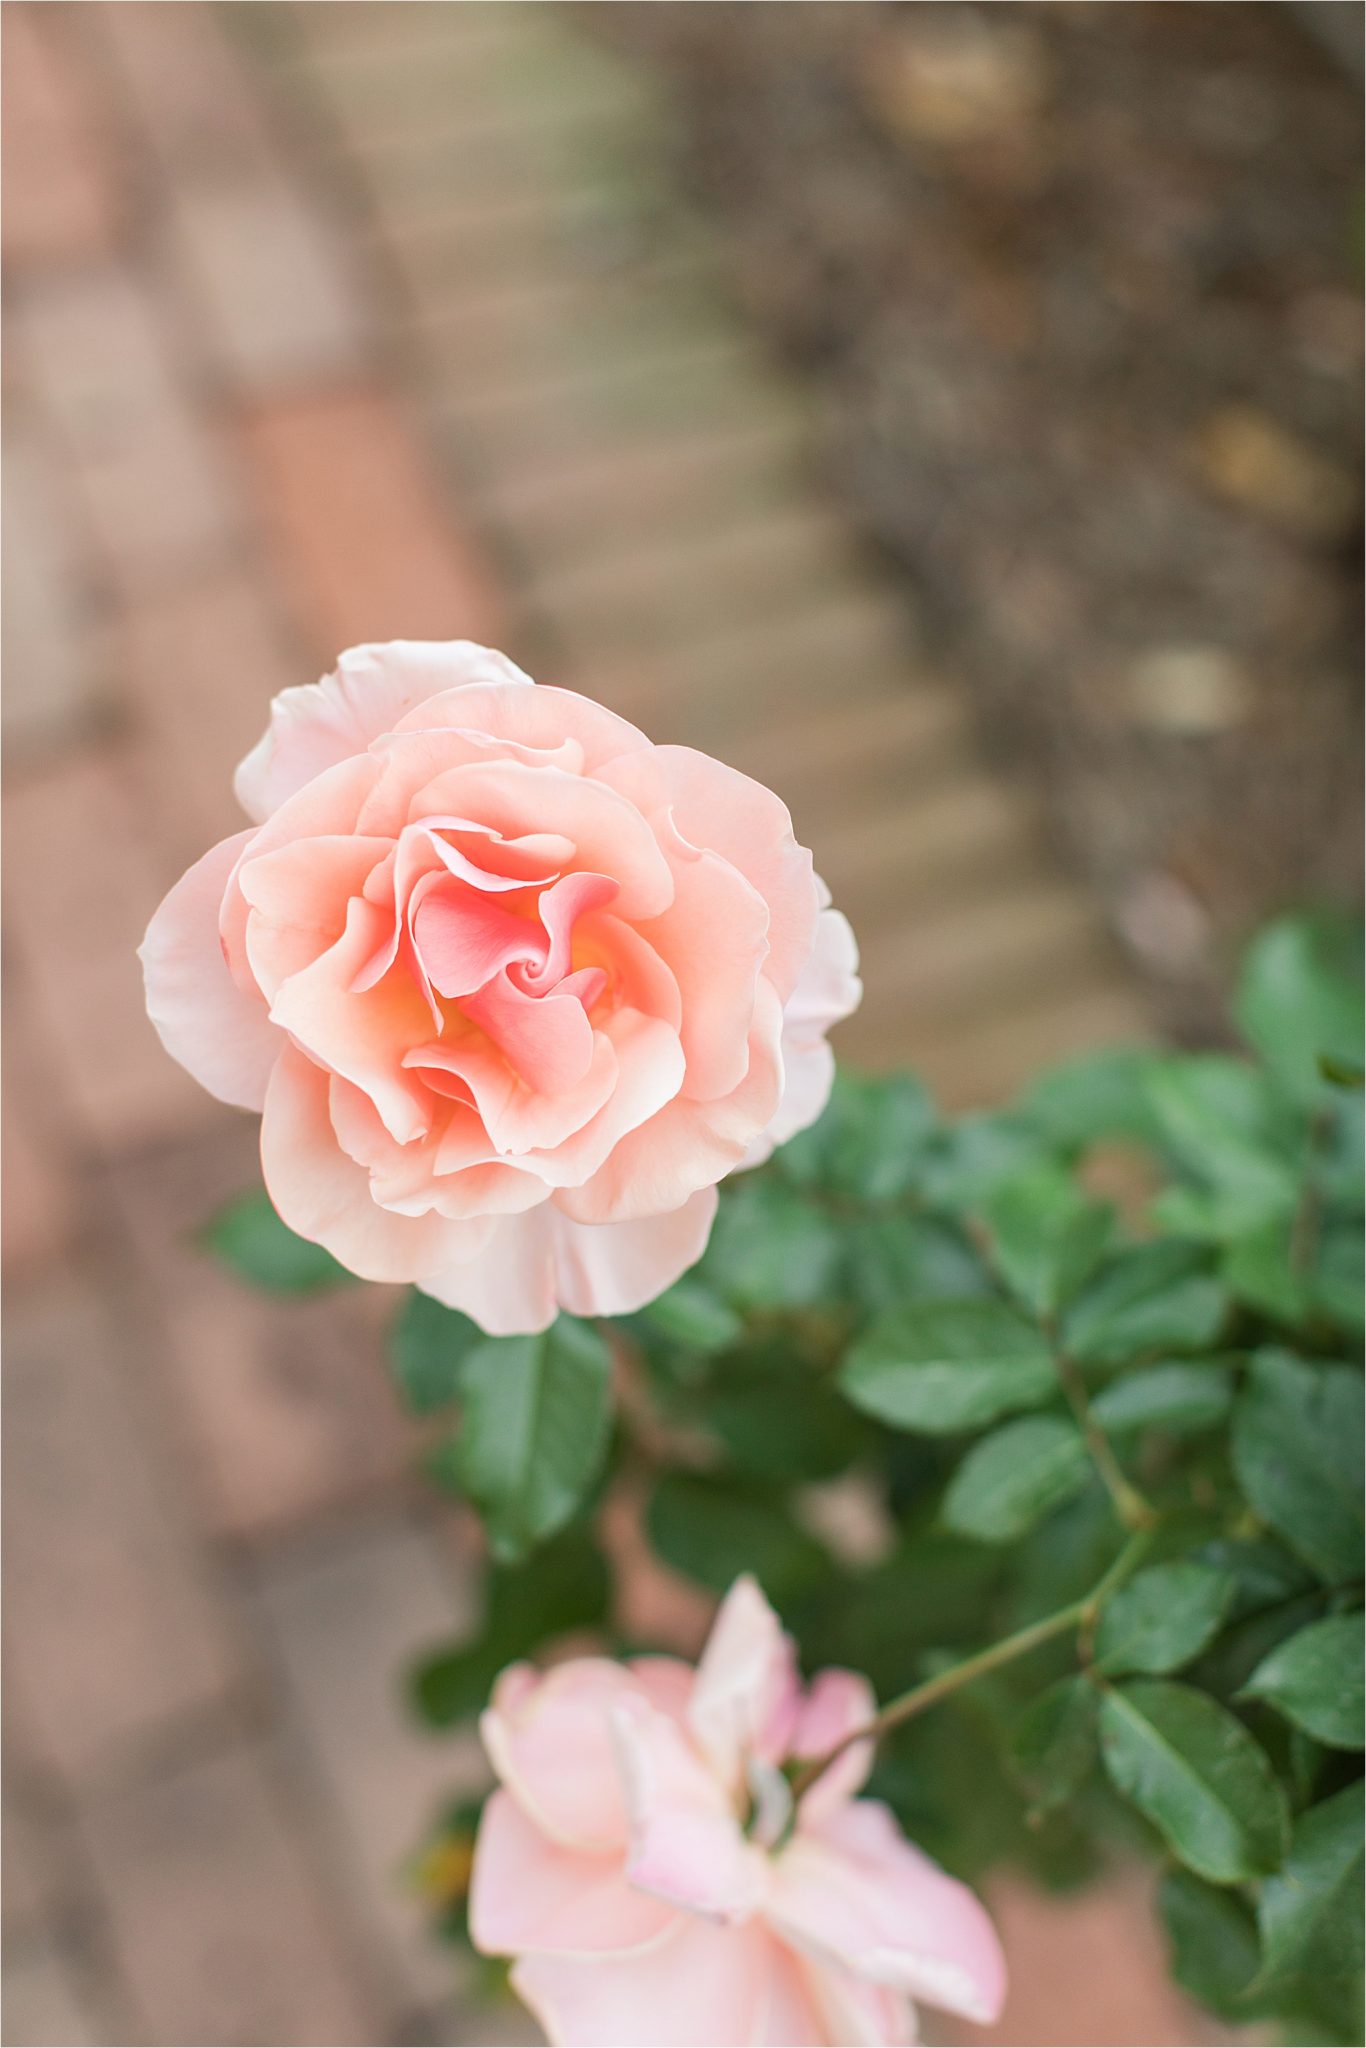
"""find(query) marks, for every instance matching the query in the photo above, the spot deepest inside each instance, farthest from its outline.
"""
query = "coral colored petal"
(685, 1840)
(465, 937)
(696, 1986)
(613, 1269)
(529, 1895)
(746, 1694)
(368, 693)
(854, 1891)
(541, 720)
(297, 898)
(325, 1196)
(548, 1039)
(219, 1033)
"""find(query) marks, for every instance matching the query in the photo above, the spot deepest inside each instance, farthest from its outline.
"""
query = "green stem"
(1081, 1614)
(1133, 1509)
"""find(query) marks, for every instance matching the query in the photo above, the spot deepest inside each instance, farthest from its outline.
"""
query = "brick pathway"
(326, 325)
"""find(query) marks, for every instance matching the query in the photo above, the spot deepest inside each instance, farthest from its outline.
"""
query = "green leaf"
(1297, 1453)
(1103, 1095)
(1222, 1121)
(537, 1411)
(1054, 1742)
(1299, 999)
(1163, 1618)
(783, 1428)
(691, 1314)
(1012, 1478)
(1198, 1776)
(1046, 1236)
(771, 1249)
(248, 1236)
(711, 1530)
(1342, 1073)
(890, 1259)
(1314, 1679)
(1310, 1912)
(429, 1347)
(1213, 1937)
(566, 1589)
(977, 1155)
(1157, 1297)
(1184, 1399)
(939, 1367)
(1259, 1270)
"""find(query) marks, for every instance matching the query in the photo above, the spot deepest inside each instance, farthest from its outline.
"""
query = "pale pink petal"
(790, 2017)
(854, 1891)
(685, 1839)
(297, 897)
(554, 1750)
(529, 1895)
(509, 1289)
(695, 1986)
(325, 1196)
(827, 991)
(857, 2014)
(369, 691)
(666, 1682)
(541, 721)
(836, 1704)
(729, 813)
(613, 1269)
(218, 1032)
(746, 1695)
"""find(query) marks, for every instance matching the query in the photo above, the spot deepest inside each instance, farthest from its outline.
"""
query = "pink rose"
(642, 1862)
(513, 988)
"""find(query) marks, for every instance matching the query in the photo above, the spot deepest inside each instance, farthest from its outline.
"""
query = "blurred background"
(948, 414)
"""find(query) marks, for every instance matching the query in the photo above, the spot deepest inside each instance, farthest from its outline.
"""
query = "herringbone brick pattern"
(324, 324)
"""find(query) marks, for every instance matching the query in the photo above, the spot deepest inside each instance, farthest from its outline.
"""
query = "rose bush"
(512, 987)
(643, 1861)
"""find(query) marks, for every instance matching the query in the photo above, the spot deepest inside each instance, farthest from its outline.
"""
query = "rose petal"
(860, 2014)
(221, 1035)
(685, 1840)
(854, 1891)
(837, 1703)
(746, 1694)
(529, 1895)
(325, 1196)
(555, 1751)
(694, 1986)
(369, 691)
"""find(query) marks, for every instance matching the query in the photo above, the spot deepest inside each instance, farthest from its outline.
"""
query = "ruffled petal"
(853, 1891)
(218, 1032)
(695, 1985)
(686, 1845)
(325, 1196)
(541, 721)
(529, 1895)
(554, 1749)
(837, 1704)
(313, 727)
(746, 1694)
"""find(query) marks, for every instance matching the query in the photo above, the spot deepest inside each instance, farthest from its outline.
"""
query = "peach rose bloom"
(513, 988)
(642, 1862)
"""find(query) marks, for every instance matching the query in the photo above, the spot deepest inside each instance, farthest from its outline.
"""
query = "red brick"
(37, 1193)
(60, 199)
(343, 1623)
(194, 102)
(100, 355)
(363, 543)
(52, 684)
(112, 1630)
(81, 880)
(197, 665)
(287, 1405)
(45, 2003)
(217, 1923)
(274, 290)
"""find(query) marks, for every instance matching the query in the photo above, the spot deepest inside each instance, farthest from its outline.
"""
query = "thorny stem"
(1081, 1614)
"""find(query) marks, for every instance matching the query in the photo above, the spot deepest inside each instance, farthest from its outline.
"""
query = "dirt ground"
(1080, 287)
